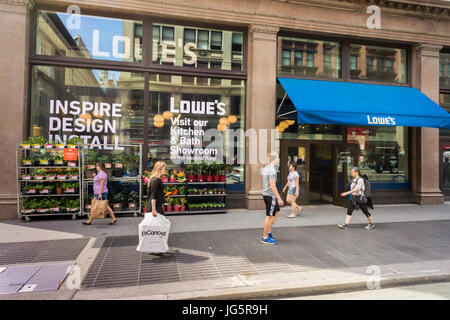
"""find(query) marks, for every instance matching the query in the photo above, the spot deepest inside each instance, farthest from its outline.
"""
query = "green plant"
(119, 197)
(92, 157)
(119, 157)
(37, 140)
(74, 141)
(133, 197)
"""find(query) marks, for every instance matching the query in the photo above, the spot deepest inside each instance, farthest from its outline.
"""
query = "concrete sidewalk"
(219, 256)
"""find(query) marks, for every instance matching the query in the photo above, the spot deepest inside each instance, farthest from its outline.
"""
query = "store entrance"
(322, 167)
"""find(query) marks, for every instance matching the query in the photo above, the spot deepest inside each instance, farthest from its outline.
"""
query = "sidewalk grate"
(41, 251)
(229, 253)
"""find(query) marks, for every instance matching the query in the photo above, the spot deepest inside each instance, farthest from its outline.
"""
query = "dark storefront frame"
(146, 66)
(382, 196)
(443, 141)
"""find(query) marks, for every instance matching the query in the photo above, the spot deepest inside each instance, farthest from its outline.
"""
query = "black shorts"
(272, 206)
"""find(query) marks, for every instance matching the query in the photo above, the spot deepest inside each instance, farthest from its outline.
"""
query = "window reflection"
(444, 71)
(309, 57)
(197, 48)
(58, 34)
(377, 63)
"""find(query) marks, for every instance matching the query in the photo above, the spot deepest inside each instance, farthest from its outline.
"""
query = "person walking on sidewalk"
(293, 190)
(356, 190)
(101, 191)
(156, 199)
(271, 197)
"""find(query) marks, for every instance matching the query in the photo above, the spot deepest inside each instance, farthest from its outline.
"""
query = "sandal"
(87, 223)
(299, 212)
(291, 216)
(113, 222)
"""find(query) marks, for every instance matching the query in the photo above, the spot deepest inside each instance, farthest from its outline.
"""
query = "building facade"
(106, 71)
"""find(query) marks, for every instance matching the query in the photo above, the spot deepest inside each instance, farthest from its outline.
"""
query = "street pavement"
(220, 256)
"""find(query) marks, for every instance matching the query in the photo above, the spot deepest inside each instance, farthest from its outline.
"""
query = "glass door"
(298, 152)
(445, 166)
(346, 157)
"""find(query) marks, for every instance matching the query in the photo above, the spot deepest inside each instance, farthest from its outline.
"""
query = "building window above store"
(309, 58)
(89, 37)
(377, 63)
(182, 46)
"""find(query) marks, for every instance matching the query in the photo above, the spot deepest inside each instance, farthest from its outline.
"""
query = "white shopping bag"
(154, 234)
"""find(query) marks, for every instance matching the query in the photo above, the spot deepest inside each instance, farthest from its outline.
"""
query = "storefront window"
(181, 115)
(312, 58)
(444, 102)
(89, 37)
(444, 71)
(99, 106)
(377, 63)
(382, 154)
(197, 47)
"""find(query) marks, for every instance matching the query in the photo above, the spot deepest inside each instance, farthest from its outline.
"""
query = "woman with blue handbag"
(358, 198)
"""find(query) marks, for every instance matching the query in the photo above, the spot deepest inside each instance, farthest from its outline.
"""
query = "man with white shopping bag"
(154, 229)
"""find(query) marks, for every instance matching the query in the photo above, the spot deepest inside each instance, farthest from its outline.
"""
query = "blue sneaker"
(270, 235)
(268, 241)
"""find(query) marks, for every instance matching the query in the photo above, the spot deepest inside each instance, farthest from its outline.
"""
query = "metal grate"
(230, 253)
(41, 251)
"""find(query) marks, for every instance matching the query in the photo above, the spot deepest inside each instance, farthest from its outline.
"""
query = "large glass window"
(382, 154)
(89, 37)
(195, 47)
(312, 58)
(99, 106)
(181, 116)
(378, 63)
(444, 71)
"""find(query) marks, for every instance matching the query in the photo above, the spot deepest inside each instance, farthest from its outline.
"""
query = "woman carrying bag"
(156, 199)
(357, 198)
(100, 193)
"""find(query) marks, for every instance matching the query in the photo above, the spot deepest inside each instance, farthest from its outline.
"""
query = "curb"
(280, 293)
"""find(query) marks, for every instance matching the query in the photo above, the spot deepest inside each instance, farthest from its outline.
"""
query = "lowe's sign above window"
(345, 103)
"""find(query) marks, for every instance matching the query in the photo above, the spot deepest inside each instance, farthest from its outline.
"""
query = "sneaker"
(268, 241)
(270, 235)
(343, 226)
(370, 226)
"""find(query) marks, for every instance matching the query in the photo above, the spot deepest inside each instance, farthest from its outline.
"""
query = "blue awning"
(333, 102)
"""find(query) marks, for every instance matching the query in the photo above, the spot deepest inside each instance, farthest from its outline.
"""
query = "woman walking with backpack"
(357, 189)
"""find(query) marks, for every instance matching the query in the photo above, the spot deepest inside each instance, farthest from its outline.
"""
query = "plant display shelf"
(21, 183)
(87, 181)
(186, 184)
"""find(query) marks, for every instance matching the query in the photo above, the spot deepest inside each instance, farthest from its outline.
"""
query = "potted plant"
(27, 161)
(144, 206)
(118, 199)
(164, 178)
(38, 142)
(133, 199)
(70, 188)
(176, 205)
(58, 188)
(59, 145)
(73, 174)
(26, 177)
(91, 159)
(106, 160)
(26, 144)
(29, 189)
(73, 142)
(44, 206)
(181, 177)
(183, 202)
(55, 206)
(132, 164)
(44, 189)
(38, 174)
(58, 159)
(29, 205)
(169, 205)
(44, 160)
(118, 160)
(72, 205)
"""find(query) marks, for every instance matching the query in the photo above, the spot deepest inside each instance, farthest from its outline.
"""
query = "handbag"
(362, 199)
(99, 208)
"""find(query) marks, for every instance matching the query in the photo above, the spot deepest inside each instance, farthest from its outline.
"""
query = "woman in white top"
(356, 189)
(293, 190)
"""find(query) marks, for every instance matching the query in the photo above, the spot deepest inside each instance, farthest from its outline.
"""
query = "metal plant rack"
(22, 169)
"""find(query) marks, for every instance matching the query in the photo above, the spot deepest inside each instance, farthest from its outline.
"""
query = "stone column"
(260, 109)
(425, 144)
(14, 16)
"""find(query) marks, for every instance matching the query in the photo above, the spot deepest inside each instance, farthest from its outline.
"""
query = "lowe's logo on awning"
(381, 120)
